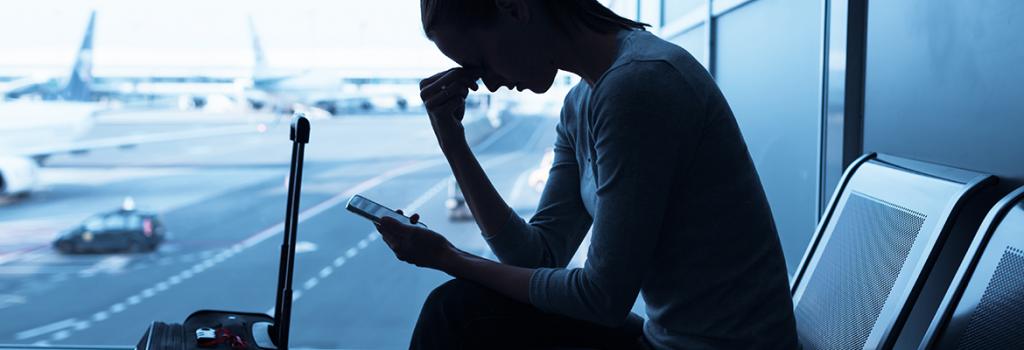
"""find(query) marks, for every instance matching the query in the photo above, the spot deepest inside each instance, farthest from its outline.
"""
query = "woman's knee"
(450, 297)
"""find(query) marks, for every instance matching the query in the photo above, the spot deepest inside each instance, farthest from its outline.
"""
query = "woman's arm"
(489, 210)
(444, 96)
(560, 223)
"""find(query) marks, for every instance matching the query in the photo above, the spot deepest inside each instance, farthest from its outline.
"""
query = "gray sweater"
(651, 159)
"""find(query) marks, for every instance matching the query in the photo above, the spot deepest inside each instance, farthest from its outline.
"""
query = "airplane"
(33, 130)
(360, 87)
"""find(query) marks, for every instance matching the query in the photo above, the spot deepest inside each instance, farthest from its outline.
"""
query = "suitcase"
(215, 329)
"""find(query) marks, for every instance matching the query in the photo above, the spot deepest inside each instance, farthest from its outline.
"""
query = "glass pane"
(695, 41)
(768, 66)
(185, 107)
(676, 9)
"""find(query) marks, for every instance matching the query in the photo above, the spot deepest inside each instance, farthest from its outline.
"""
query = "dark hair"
(476, 13)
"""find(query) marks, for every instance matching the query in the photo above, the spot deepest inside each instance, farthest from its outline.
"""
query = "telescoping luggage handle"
(283, 307)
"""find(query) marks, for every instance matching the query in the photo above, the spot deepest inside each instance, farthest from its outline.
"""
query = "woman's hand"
(414, 244)
(444, 96)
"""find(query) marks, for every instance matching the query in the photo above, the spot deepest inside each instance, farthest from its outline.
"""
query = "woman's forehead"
(460, 47)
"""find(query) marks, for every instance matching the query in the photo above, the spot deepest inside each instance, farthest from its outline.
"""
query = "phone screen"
(373, 211)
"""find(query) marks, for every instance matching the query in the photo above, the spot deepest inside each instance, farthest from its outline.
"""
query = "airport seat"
(874, 248)
(984, 307)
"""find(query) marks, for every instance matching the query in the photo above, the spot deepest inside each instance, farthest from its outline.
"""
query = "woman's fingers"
(414, 218)
(425, 82)
(459, 95)
(451, 79)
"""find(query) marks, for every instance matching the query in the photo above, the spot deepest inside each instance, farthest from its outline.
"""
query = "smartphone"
(374, 212)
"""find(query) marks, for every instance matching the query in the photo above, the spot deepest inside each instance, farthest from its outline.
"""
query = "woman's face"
(507, 56)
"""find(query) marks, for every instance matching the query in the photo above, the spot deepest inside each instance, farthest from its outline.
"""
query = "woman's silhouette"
(648, 157)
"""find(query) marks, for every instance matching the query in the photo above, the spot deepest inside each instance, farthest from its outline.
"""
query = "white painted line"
(148, 292)
(41, 343)
(134, 299)
(117, 308)
(162, 286)
(45, 329)
(174, 280)
(100, 316)
(362, 243)
(310, 283)
(61, 335)
(351, 252)
(296, 295)
(326, 272)
(82, 325)
(339, 261)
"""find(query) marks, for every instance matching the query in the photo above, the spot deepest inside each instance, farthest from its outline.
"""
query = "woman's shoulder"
(649, 59)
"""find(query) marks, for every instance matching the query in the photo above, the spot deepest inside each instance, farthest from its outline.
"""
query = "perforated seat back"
(984, 308)
(873, 250)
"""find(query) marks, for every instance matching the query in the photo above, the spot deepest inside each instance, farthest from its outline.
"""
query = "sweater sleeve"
(646, 124)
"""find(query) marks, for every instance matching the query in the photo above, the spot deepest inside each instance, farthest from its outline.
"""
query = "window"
(184, 106)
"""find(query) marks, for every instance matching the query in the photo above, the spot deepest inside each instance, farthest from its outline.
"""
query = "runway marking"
(61, 335)
(10, 299)
(100, 316)
(326, 271)
(304, 247)
(310, 283)
(53, 327)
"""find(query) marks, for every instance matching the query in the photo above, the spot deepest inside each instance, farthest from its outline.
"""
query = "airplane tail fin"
(259, 59)
(77, 88)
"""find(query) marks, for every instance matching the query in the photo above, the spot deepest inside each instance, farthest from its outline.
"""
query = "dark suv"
(119, 230)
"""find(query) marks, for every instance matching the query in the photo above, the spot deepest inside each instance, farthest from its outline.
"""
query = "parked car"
(124, 229)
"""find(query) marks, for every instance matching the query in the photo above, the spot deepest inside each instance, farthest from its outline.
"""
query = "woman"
(648, 156)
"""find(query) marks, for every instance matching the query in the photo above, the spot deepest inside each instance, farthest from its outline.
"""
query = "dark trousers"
(464, 315)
